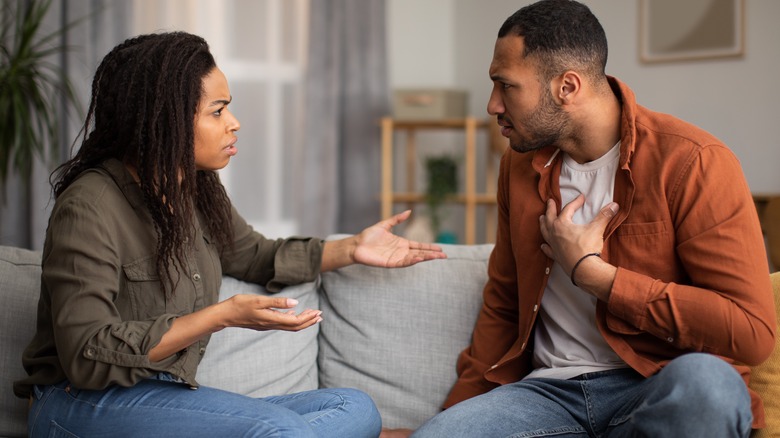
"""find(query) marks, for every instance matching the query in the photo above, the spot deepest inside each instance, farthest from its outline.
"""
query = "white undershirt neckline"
(567, 342)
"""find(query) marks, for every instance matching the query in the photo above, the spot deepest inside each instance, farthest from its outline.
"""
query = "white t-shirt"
(567, 342)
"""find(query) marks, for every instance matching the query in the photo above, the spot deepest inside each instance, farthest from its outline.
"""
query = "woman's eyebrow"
(221, 102)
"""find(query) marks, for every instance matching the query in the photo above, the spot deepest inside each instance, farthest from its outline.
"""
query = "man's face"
(527, 113)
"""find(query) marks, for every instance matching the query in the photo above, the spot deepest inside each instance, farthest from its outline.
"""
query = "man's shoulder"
(667, 129)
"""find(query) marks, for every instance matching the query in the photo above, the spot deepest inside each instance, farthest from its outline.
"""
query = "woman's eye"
(218, 112)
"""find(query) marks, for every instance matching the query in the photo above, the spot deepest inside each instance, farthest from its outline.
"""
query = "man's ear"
(566, 87)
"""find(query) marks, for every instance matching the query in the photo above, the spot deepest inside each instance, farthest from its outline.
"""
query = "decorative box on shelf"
(429, 104)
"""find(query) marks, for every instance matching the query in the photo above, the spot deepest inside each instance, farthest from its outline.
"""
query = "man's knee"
(703, 382)
(704, 372)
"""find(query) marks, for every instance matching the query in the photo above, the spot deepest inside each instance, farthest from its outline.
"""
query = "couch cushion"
(765, 378)
(20, 279)
(372, 318)
(260, 364)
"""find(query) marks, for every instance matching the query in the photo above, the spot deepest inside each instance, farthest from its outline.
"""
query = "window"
(260, 45)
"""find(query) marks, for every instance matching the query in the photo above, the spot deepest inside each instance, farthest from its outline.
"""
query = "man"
(637, 307)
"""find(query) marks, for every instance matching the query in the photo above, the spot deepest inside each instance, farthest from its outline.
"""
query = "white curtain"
(336, 176)
(101, 24)
(347, 92)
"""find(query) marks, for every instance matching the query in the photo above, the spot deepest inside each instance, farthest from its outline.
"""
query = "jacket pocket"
(148, 297)
(645, 247)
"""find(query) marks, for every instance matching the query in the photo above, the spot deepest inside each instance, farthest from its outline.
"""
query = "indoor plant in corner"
(32, 88)
(442, 173)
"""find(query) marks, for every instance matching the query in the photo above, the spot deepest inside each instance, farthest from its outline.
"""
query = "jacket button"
(670, 339)
(546, 271)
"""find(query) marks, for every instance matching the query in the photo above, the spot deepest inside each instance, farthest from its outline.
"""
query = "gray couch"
(394, 333)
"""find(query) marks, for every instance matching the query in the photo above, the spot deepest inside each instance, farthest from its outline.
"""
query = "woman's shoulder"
(91, 186)
(102, 190)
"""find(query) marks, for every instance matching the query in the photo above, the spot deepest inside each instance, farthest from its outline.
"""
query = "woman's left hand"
(378, 246)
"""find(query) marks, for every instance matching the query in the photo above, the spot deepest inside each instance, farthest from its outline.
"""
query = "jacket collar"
(125, 181)
(545, 158)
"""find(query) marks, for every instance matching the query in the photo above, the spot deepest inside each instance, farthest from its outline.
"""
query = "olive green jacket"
(102, 308)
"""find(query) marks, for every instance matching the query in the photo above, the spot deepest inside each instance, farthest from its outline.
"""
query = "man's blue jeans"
(160, 407)
(695, 395)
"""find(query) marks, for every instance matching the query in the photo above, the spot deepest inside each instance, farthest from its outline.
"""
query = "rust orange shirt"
(692, 267)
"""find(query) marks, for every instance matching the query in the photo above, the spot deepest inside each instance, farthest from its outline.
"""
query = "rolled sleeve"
(273, 263)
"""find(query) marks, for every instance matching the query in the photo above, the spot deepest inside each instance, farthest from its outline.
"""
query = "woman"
(138, 240)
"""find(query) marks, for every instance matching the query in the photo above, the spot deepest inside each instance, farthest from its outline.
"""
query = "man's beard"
(545, 126)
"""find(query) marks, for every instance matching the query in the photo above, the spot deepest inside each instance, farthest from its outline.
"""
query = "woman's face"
(215, 125)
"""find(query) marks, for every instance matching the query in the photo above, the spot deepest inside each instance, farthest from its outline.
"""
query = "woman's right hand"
(259, 312)
(254, 312)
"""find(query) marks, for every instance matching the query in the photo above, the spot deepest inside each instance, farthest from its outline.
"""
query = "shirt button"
(196, 277)
(670, 339)
(202, 351)
(90, 352)
(546, 271)
(536, 307)
(494, 366)
(522, 347)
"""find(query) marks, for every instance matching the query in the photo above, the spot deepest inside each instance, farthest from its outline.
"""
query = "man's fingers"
(608, 212)
(551, 208)
(569, 209)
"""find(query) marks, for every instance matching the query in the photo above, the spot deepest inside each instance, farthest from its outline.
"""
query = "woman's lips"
(231, 148)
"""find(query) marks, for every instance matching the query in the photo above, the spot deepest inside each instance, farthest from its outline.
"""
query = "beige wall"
(449, 43)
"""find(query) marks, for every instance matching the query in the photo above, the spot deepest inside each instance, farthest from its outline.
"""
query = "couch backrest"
(396, 333)
(20, 278)
(260, 364)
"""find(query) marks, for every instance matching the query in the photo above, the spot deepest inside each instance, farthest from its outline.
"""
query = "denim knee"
(356, 412)
(706, 376)
(700, 392)
(367, 416)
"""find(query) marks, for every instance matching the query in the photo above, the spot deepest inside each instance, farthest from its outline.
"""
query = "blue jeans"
(695, 395)
(159, 407)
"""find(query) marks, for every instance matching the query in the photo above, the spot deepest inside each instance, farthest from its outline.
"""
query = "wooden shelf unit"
(469, 196)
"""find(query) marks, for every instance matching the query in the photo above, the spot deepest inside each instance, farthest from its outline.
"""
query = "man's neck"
(596, 132)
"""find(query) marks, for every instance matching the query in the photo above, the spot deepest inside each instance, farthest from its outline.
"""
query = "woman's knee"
(360, 409)
(368, 411)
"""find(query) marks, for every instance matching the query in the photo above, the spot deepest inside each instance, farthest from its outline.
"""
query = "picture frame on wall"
(674, 30)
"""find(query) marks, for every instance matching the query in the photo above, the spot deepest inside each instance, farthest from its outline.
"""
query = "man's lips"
(506, 128)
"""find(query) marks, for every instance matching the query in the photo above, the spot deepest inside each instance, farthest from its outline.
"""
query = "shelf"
(481, 198)
(469, 197)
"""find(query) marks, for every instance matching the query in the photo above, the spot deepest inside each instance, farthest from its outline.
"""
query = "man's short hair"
(561, 35)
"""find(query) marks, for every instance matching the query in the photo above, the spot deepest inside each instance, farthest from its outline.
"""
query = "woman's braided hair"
(145, 95)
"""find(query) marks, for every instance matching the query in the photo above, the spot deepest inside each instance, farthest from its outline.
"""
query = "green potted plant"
(31, 88)
(442, 179)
